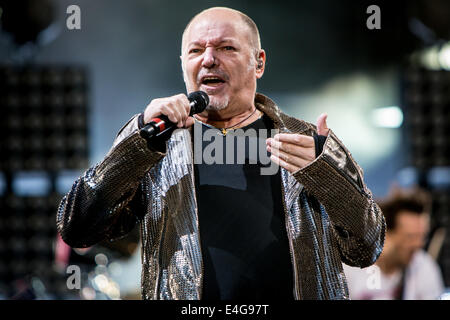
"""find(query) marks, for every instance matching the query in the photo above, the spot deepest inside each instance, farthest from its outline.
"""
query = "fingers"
(183, 108)
(297, 145)
(297, 139)
(171, 113)
(289, 167)
(322, 127)
(176, 108)
(288, 161)
(291, 151)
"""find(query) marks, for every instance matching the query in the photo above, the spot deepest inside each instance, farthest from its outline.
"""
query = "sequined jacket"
(330, 215)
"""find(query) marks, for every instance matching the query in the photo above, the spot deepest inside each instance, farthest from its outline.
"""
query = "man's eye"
(194, 50)
(229, 48)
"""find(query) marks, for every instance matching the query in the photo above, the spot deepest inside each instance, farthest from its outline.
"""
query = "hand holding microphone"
(166, 114)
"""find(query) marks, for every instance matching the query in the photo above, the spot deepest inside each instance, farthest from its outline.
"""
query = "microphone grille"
(200, 99)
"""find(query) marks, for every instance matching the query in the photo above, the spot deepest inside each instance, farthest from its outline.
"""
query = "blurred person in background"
(404, 270)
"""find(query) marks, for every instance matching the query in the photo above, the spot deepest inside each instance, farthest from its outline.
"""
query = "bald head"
(231, 15)
(223, 43)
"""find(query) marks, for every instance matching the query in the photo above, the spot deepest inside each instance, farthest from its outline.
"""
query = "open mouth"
(212, 81)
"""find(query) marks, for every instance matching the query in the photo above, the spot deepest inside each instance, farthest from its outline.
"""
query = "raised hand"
(295, 151)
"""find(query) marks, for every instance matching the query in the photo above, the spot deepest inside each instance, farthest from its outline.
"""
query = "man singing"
(223, 230)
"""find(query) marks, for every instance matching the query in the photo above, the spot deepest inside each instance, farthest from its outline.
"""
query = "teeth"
(210, 78)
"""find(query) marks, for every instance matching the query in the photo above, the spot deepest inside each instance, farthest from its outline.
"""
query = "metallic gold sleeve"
(99, 204)
(336, 180)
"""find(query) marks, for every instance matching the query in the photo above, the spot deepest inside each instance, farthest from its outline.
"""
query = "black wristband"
(319, 142)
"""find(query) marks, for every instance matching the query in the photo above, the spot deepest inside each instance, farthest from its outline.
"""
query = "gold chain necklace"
(224, 131)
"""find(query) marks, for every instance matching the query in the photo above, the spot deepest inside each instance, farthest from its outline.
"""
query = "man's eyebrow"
(199, 43)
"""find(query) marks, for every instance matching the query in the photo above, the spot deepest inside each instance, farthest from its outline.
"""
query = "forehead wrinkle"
(213, 41)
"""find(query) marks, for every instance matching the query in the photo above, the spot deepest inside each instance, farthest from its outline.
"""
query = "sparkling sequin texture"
(330, 214)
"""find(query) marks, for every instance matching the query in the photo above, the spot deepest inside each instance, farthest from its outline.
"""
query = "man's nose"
(209, 58)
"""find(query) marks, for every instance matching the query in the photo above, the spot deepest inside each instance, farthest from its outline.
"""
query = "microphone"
(161, 125)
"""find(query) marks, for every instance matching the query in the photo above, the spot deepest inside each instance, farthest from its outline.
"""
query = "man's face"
(409, 235)
(218, 58)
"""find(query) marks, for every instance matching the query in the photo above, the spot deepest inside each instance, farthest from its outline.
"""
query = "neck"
(228, 118)
(388, 264)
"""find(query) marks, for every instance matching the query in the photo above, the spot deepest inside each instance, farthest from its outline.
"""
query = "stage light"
(31, 183)
(431, 59)
(445, 296)
(87, 293)
(2, 184)
(436, 57)
(387, 117)
(43, 132)
(101, 259)
(115, 269)
(439, 177)
(444, 57)
(101, 282)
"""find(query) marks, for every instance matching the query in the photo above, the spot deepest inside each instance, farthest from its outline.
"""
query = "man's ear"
(260, 63)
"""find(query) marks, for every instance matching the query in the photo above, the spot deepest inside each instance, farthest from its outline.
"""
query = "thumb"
(322, 128)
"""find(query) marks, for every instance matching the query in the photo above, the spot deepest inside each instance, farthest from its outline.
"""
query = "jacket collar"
(281, 121)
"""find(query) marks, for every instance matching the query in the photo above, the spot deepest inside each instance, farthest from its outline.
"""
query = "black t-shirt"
(241, 219)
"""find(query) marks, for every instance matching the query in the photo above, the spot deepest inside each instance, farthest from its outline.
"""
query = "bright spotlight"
(387, 117)
(444, 56)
